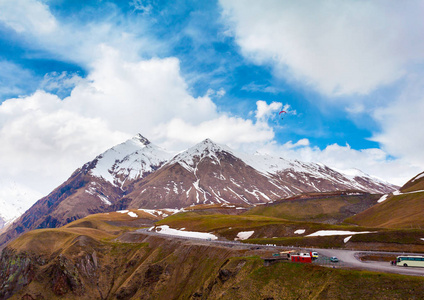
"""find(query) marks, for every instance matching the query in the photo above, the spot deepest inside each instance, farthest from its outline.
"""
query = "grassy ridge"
(324, 208)
(271, 230)
(414, 184)
(398, 211)
(218, 222)
(206, 222)
(96, 227)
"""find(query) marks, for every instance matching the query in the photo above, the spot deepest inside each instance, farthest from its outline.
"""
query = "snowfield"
(132, 215)
(164, 229)
(397, 193)
(244, 235)
(336, 232)
(299, 231)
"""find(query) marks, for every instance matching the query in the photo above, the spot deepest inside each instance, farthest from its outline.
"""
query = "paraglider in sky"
(279, 114)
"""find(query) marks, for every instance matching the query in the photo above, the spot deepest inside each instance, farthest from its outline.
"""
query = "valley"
(119, 255)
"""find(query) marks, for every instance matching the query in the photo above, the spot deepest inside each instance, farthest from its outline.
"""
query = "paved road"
(348, 258)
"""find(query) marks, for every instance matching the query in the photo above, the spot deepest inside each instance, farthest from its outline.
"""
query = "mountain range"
(139, 174)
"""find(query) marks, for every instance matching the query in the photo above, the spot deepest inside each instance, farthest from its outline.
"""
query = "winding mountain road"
(347, 258)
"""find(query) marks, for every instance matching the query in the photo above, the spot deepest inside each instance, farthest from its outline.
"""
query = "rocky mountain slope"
(138, 174)
(212, 173)
(95, 187)
(400, 209)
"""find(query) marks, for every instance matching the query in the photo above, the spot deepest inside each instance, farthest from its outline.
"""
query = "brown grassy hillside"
(400, 210)
(92, 259)
(330, 208)
(415, 184)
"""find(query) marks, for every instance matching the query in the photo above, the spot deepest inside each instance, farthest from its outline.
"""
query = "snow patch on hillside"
(336, 232)
(244, 235)
(397, 193)
(164, 229)
(346, 239)
(419, 176)
(132, 214)
(383, 198)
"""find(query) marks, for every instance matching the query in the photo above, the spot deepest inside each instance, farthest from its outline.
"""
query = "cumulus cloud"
(337, 47)
(44, 138)
(351, 49)
(232, 131)
(402, 123)
(42, 143)
(265, 110)
(48, 136)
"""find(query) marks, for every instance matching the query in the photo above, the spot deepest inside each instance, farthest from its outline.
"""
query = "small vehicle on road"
(334, 259)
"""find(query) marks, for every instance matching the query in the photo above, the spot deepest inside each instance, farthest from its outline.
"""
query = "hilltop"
(400, 209)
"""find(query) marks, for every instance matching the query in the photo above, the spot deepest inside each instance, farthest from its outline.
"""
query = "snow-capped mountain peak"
(205, 149)
(141, 139)
(130, 160)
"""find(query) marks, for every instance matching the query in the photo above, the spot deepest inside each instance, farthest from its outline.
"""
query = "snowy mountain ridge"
(137, 174)
(138, 157)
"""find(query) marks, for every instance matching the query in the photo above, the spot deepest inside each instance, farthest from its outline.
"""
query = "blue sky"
(77, 77)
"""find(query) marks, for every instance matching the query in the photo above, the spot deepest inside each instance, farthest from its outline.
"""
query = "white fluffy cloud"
(232, 131)
(27, 16)
(346, 48)
(45, 138)
(42, 143)
(403, 123)
(76, 41)
(264, 111)
(338, 47)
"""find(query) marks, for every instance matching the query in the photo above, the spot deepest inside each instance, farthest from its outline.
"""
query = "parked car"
(334, 259)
